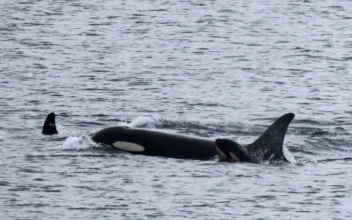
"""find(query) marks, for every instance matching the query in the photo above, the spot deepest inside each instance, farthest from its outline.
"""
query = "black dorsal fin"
(49, 126)
(269, 146)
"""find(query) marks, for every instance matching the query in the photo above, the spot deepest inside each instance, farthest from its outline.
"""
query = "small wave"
(88, 124)
(319, 132)
(335, 159)
(326, 160)
(212, 129)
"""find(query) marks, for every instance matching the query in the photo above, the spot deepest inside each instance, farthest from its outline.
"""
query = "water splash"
(144, 122)
(77, 143)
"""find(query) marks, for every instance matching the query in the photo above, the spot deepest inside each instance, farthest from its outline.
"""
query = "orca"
(232, 151)
(268, 147)
(49, 127)
(155, 143)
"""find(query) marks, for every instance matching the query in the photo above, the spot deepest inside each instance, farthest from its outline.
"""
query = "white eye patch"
(222, 155)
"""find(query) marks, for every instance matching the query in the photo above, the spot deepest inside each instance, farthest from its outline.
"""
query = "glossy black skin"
(227, 146)
(49, 127)
(158, 143)
(268, 147)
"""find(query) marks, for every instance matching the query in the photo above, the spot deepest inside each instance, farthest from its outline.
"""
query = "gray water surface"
(204, 68)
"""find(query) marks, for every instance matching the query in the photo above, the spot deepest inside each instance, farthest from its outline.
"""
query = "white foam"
(76, 143)
(141, 122)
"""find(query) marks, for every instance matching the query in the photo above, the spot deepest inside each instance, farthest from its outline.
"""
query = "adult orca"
(269, 146)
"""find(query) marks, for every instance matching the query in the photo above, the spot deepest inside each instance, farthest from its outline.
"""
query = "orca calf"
(269, 146)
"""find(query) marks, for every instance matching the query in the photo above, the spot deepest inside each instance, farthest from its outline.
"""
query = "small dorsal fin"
(269, 146)
(49, 126)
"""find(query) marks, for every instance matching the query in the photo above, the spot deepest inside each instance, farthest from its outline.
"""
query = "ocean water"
(204, 68)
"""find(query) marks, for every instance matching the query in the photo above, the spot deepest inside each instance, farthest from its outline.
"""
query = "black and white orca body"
(269, 146)
(156, 143)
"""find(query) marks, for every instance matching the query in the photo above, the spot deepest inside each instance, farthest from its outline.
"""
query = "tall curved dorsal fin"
(269, 146)
(49, 126)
